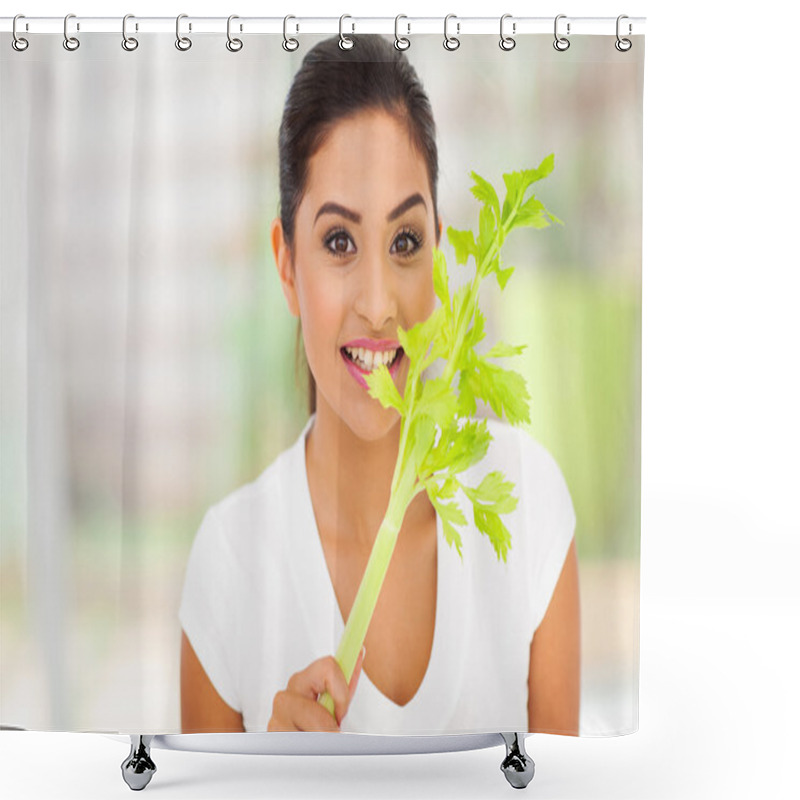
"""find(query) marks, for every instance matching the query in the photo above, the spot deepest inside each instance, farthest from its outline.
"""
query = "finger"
(309, 715)
(323, 675)
(278, 724)
(336, 686)
(281, 703)
(293, 712)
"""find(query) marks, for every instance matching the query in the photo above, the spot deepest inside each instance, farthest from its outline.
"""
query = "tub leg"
(517, 766)
(138, 767)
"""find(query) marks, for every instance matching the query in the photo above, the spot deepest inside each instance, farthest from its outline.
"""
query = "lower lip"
(359, 373)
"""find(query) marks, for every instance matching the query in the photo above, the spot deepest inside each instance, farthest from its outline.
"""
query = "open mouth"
(366, 360)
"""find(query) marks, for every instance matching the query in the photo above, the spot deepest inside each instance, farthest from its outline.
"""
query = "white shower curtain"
(151, 365)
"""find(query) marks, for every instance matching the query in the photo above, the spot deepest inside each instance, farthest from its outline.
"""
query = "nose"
(376, 295)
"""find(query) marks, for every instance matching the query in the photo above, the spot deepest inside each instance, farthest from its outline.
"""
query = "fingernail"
(363, 652)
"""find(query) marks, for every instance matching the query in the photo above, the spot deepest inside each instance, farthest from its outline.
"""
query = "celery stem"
(355, 630)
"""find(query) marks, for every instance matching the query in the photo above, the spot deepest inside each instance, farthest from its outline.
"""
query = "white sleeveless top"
(258, 604)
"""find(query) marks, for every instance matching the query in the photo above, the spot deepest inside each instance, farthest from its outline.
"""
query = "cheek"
(424, 295)
(321, 314)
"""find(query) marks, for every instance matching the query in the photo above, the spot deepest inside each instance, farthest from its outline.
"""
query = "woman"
(275, 567)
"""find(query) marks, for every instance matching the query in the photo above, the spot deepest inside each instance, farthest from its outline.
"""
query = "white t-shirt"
(258, 604)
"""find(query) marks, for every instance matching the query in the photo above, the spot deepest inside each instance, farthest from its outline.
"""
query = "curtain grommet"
(507, 42)
(289, 44)
(19, 43)
(233, 44)
(401, 42)
(183, 43)
(345, 42)
(129, 43)
(561, 43)
(71, 43)
(451, 43)
(623, 45)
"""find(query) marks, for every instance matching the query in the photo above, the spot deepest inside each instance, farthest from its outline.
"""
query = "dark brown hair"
(333, 84)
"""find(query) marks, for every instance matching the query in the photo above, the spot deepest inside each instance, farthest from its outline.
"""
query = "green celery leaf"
(382, 388)
(436, 459)
(451, 535)
(470, 446)
(485, 192)
(416, 341)
(504, 390)
(515, 188)
(466, 395)
(458, 448)
(463, 243)
(489, 523)
(438, 401)
(487, 229)
(451, 515)
(503, 275)
(460, 299)
(493, 493)
(533, 214)
(440, 277)
(542, 171)
(532, 206)
(477, 333)
(448, 488)
(422, 435)
(503, 350)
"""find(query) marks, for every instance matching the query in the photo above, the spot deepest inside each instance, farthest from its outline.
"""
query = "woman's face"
(363, 263)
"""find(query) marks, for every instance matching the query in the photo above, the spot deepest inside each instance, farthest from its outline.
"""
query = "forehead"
(368, 154)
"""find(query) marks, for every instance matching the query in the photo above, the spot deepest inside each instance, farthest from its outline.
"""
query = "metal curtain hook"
(289, 44)
(182, 42)
(623, 45)
(17, 42)
(129, 43)
(70, 42)
(451, 42)
(400, 42)
(560, 43)
(507, 42)
(234, 45)
(345, 42)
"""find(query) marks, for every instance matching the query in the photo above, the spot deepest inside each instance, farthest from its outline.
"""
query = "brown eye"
(337, 243)
(407, 243)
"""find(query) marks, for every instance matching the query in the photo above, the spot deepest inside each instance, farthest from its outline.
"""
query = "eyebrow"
(335, 208)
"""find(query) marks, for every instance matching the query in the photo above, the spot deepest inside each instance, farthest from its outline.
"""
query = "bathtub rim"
(319, 743)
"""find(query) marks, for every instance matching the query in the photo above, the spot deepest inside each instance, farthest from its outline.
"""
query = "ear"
(283, 262)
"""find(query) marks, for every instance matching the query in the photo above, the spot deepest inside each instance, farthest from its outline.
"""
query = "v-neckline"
(317, 552)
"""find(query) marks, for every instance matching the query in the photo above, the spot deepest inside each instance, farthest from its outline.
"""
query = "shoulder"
(545, 505)
(522, 458)
(256, 506)
(267, 485)
(544, 523)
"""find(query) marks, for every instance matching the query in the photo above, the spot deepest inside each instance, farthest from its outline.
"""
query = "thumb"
(356, 673)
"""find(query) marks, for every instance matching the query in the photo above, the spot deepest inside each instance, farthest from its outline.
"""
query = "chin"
(372, 424)
(362, 414)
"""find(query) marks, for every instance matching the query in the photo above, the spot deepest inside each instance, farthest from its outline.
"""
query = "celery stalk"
(439, 437)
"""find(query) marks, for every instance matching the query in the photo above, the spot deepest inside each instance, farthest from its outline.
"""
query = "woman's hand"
(296, 707)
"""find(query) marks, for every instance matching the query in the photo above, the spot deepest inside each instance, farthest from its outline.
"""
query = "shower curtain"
(209, 254)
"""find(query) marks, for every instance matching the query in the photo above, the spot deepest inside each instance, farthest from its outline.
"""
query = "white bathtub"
(138, 768)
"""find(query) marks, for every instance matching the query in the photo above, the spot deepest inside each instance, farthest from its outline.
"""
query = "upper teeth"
(370, 359)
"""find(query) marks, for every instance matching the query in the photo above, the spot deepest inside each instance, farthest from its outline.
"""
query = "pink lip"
(377, 345)
(359, 373)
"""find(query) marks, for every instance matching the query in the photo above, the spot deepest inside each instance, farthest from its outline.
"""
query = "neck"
(349, 477)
